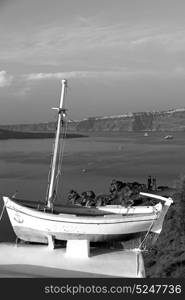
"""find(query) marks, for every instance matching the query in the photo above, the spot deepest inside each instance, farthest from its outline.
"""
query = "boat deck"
(65, 209)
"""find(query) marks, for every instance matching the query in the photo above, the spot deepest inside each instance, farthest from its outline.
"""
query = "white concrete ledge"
(102, 262)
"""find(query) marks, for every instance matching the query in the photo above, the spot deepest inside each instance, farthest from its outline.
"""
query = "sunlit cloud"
(60, 75)
(95, 44)
(87, 74)
(5, 79)
(177, 71)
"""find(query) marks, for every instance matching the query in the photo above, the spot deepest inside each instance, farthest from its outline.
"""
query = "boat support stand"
(51, 242)
(74, 248)
(78, 249)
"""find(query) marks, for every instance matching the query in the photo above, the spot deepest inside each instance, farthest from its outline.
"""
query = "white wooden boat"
(46, 223)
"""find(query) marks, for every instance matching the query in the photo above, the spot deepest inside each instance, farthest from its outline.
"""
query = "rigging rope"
(2, 212)
(146, 235)
(61, 149)
(49, 174)
(61, 156)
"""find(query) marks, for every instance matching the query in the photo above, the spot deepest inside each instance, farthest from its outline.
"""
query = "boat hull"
(38, 236)
(36, 226)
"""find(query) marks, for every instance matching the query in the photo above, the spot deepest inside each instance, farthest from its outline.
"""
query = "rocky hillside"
(171, 120)
(167, 257)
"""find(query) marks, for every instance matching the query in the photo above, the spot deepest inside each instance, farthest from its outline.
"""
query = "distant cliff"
(171, 120)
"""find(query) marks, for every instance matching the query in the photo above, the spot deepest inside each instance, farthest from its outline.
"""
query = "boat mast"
(61, 115)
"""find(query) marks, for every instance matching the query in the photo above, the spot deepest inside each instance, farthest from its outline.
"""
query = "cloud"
(5, 79)
(67, 75)
(97, 48)
(58, 75)
(119, 74)
(88, 74)
(91, 43)
(18, 87)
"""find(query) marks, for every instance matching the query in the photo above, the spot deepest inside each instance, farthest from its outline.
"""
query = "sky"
(118, 56)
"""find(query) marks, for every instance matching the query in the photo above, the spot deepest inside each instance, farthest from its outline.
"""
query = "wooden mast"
(61, 115)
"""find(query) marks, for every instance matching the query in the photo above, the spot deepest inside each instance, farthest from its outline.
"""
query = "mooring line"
(2, 212)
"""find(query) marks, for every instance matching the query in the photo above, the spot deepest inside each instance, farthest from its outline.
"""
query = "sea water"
(88, 164)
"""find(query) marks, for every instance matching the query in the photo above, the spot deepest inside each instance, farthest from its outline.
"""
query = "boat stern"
(158, 224)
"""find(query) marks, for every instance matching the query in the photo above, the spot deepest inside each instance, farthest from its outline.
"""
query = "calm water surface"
(24, 165)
